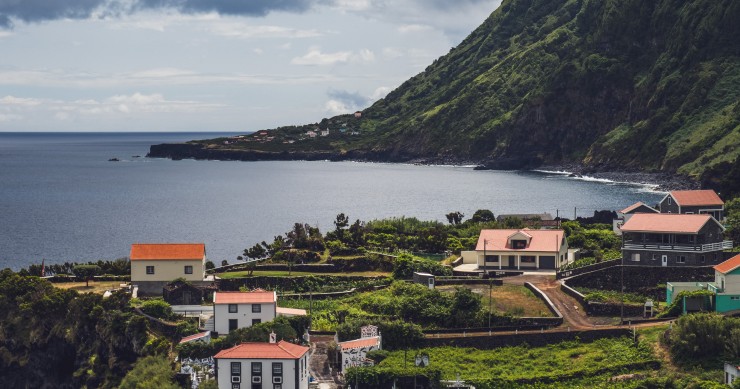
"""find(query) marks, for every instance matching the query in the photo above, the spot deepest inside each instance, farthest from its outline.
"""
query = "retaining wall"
(534, 339)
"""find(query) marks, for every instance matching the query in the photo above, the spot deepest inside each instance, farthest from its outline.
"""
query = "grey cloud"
(351, 99)
(44, 10)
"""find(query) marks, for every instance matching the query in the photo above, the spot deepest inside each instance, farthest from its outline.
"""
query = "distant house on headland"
(358, 114)
(693, 202)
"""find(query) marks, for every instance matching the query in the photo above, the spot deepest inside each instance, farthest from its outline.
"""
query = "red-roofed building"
(354, 352)
(234, 310)
(204, 337)
(522, 249)
(693, 202)
(624, 214)
(663, 239)
(159, 263)
(263, 365)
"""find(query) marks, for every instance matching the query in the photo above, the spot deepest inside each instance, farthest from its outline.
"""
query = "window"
(256, 368)
(256, 308)
(188, 269)
(655, 257)
(528, 259)
(233, 324)
(236, 368)
(256, 321)
(680, 259)
(670, 200)
(735, 298)
(233, 308)
(277, 386)
(491, 258)
(277, 369)
(150, 270)
(519, 244)
(235, 385)
(635, 257)
(702, 259)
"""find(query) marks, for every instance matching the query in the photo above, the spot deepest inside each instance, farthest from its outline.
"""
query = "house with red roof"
(672, 239)
(263, 365)
(693, 202)
(518, 249)
(354, 352)
(725, 289)
(234, 310)
(167, 261)
(624, 214)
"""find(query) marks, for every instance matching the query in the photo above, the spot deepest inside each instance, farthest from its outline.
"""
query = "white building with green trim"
(725, 290)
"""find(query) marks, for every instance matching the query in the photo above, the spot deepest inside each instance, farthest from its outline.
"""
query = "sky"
(213, 65)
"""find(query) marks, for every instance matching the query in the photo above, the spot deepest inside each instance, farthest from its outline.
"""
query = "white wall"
(167, 270)
(244, 316)
(732, 282)
(357, 354)
(223, 373)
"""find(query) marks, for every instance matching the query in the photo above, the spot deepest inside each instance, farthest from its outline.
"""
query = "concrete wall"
(727, 302)
(292, 368)
(244, 316)
(167, 270)
(469, 256)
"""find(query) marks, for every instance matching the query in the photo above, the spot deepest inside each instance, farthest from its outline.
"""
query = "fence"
(585, 269)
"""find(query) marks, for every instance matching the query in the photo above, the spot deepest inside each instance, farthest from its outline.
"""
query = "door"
(664, 260)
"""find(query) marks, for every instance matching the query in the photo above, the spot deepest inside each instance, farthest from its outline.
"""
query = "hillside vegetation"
(612, 85)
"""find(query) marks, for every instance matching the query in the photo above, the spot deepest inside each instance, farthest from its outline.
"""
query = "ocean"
(61, 199)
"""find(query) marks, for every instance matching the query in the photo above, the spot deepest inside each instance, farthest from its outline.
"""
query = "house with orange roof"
(234, 310)
(672, 239)
(263, 365)
(518, 249)
(693, 202)
(155, 264)
(725, 289)
(624, 214)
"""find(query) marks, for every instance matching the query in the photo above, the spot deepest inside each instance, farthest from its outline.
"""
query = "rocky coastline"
(662, 181)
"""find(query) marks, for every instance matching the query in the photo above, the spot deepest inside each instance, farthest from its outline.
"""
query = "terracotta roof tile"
(696, 197)
(542, 240)
(167, 251)
(728, 265)
(635, 206)
(244, 297)
(279, 350)
(666, 222)
(195, 336)
(358, 343)
(290, 311)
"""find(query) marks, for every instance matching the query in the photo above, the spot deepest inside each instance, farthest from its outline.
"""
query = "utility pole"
(490, 302)
(621, 309)
(575, 213)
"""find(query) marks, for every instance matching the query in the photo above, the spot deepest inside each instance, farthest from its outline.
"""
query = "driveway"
(318, 363)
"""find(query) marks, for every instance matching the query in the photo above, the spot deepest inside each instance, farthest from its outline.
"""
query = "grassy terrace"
(279, 273)
(515, 300)
(95, 286)
(522, 366)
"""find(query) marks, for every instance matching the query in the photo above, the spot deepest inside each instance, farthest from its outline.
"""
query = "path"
(318, 363)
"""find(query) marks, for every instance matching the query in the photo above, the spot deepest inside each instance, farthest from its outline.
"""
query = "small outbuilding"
(425, 279)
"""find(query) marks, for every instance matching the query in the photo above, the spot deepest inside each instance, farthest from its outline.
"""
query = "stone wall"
(534, 339)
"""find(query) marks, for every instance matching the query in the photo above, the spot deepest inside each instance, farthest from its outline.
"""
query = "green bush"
(158, 308)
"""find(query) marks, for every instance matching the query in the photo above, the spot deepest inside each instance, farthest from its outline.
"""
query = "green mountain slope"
(619, 84)
(613, 85)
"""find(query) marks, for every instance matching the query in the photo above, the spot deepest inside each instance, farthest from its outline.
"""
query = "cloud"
(30, 11)
(239, 30)
(353, 100)
(315, 57)
(12, 100)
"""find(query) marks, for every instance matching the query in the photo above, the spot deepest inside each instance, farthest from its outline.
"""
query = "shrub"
(158, 308)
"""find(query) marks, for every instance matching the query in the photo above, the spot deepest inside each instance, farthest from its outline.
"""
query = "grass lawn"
(515, 300)
(564, 360)
(95, 286)
(280, 273)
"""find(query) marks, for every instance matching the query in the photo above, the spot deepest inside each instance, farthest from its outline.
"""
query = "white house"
(732, 373)
(523, 249)
(354, 352)
(280, 365)
(324, 132)
(233, 310)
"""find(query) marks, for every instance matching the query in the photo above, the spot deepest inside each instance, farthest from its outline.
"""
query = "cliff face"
(612, 85)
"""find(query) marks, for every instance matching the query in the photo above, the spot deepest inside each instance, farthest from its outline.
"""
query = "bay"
(62, 200)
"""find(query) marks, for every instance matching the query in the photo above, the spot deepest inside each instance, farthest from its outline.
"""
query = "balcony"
(699, 248)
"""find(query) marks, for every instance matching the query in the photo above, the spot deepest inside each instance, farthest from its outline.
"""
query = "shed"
(424, 279)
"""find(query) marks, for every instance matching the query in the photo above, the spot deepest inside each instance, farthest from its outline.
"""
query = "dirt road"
(318, 363)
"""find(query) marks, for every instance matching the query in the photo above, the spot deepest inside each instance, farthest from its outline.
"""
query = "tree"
(210, 265)
(482, 215)
(224, 262)
(341, 223)
(150, 373)
(86, 272)
(454, 217)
